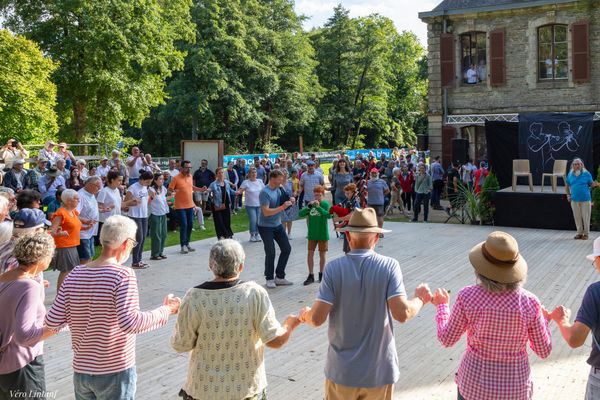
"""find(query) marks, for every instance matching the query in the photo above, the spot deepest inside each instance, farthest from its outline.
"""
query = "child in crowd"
(317, 213)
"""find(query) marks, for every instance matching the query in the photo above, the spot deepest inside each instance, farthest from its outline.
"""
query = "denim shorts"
(86, 249)
(592, 390)
(119, 385)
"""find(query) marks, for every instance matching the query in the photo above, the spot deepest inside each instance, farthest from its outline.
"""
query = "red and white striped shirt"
(101, 307)
(499, 326)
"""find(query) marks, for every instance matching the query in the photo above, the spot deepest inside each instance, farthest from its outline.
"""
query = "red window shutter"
(581, 51)
(448, 133)
(498, 65)
(447, 60)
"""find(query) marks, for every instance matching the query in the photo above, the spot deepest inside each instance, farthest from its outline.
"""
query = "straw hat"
(596, 251)
(498, 258)
(363, 220)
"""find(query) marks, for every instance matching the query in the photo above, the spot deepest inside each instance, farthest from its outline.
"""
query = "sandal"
(584, 237)
(577, 237)
(139, 266)
(156, 258)
(162, 257)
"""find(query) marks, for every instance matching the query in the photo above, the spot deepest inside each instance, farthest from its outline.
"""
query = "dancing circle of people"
(225, 323)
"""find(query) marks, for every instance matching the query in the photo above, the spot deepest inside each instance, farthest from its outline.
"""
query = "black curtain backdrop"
(503, 147)
(545, 137)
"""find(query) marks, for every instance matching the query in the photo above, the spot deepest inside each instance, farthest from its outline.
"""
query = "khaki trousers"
(582, 212)
(333, 391)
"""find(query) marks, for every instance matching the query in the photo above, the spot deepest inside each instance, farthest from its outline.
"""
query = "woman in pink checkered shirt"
(500, 319)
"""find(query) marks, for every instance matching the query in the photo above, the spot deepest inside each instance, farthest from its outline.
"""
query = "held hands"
(561, 315)
(303, 314)
(423, 293)
(441, 296)
(292, 322)
(173, 303)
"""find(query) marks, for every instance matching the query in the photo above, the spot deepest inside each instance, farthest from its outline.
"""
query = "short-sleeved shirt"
(158, 205)
(109, 197)
(580, 186)
(589, 315)
(139, 192)
(269, 197)
(183, 185)
(252, 190)
(203, 178)
(70, 223)
(362, 349)
(134, 172)
(88, 209)
(308, 182)
(375, 190)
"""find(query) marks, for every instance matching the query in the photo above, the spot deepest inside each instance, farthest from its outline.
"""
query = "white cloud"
(404, 13)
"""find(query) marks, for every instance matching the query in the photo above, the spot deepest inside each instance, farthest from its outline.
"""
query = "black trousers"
(30, 378)
(406, 200)
(222, 221)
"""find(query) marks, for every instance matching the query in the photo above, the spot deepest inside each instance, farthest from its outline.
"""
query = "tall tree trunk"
(195, 126)
(359, 91)
(358, 123)
(267, 127)
(80, 122)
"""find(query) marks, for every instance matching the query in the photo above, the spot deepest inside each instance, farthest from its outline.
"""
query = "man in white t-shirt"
(135, 162)
(173, 171)
(103, 168)
(472, 75)
(88, 209)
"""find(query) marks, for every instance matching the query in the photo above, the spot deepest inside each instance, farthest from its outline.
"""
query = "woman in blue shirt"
(578, 186)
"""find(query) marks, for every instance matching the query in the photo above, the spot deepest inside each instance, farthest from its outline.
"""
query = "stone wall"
(522, 92)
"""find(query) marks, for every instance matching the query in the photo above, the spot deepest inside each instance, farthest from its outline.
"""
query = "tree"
(114, 57)
(27, 95)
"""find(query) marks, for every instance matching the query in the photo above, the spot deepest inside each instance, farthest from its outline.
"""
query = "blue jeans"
(253, 213)
(436, 192)
(140, 238)
(592, 390)
(86, 249)
(117, 386)
(269, 236)
(186, 221)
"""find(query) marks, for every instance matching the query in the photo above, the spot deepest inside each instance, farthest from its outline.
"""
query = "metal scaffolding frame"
(479, 119)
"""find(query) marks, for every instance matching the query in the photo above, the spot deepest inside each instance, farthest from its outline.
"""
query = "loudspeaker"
(422, 142)
(460, 151)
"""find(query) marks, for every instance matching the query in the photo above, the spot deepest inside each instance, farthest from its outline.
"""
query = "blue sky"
(402, 12)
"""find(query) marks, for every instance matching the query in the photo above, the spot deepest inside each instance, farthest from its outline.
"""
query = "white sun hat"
(596, 250)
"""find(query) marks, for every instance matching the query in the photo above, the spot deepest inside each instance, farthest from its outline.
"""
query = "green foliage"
(486, 198)
(27, 95)
(469, 198)
(595, 219)
(113, 55)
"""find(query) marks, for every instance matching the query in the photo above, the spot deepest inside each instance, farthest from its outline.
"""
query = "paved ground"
(435, 253)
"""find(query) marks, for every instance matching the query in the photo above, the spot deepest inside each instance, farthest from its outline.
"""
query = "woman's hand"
(173, 303)
(422, 292)
(441, 296)
(561, 315)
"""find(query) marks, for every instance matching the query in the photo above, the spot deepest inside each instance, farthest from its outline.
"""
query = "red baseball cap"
(374, 170)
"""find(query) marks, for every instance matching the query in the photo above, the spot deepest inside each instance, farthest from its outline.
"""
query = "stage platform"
(434, 253)
(533, 209)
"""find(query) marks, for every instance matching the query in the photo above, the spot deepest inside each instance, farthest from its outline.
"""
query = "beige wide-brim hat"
(498, 258)
(363, 220)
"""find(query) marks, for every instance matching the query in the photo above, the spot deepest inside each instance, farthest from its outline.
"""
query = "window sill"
(563, 84)
(466, 88)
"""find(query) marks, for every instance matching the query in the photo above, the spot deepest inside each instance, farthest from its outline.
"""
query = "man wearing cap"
(48, 152)
(310, 180)
(49, 183)
(103, 168)
(362, 361)
(15, 178)
(377, 189)
(65, 154)
(25, 222)
(34, 174)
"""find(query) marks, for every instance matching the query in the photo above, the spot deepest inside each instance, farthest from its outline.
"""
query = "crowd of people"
(225, 323)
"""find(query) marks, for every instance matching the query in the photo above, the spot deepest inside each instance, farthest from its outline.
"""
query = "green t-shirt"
(317, 221)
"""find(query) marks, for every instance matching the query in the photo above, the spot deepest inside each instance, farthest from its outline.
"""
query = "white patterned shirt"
(225, 329)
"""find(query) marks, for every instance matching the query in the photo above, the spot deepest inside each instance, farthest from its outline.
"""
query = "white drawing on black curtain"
(547, 144)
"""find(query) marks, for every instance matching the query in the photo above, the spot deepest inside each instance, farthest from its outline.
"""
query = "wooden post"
(301, 144)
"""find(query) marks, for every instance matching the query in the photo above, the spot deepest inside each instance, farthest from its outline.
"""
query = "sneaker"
(183, 250)
(282, 282)
(271, 284)
(320, 277)
(309, 280)
(190, 249)
(414, 220)
(202, 228)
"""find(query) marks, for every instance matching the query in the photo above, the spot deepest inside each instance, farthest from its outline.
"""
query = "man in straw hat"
(588, 319)
(362, 361)
(500, 319)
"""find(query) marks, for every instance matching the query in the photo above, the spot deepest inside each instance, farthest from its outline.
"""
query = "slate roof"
(464, 6)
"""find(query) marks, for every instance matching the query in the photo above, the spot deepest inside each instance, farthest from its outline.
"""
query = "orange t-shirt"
(70, 223)
(183, 195)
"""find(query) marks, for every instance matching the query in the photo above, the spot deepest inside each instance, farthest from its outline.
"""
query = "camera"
(15, 143)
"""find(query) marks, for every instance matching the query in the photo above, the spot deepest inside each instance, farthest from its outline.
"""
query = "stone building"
(494, 59)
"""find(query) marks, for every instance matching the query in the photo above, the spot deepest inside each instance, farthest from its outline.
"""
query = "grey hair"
(580, 161)
(31, 249)
(92, 179)
(61, 161)
(226, 257)
(116, 230)
(4, 189)
(497, 287)
(67, 195)
(3, 203)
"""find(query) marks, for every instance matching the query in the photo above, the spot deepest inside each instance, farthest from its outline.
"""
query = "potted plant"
(486, 198)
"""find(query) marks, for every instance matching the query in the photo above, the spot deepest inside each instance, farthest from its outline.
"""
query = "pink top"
(499, 326)
(101, 307)
(21, 323)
